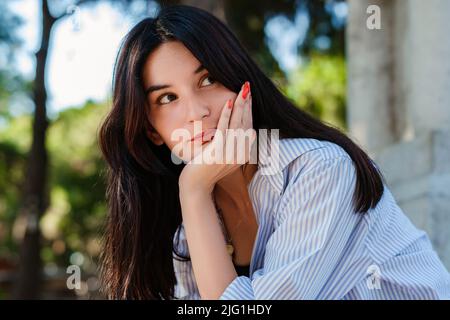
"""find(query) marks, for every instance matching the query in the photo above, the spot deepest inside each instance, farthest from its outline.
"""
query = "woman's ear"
(154, 136)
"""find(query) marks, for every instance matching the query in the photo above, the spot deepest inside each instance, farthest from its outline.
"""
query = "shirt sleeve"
(314, 222)
(186, 286)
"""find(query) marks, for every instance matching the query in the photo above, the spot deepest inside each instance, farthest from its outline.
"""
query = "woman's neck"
(231, 192)
(236, 183)
(233, 200)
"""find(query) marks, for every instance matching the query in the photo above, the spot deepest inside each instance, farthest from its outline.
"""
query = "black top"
(242, 270)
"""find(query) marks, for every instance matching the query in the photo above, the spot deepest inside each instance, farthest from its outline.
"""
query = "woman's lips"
(205, 136)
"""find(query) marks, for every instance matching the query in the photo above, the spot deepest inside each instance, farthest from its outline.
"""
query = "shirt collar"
(289, 149)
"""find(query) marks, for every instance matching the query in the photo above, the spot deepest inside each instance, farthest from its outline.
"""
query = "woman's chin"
(187, 156)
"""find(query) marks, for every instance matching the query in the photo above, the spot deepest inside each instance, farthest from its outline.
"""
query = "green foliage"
(319, 87)
(74, 219)
(14, 144)
(77, 209)
(10, 80)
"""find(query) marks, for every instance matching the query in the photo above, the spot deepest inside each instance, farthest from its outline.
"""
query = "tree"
(35, 189)
(34, 198)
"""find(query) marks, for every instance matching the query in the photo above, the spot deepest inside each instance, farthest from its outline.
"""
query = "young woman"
(322, 225)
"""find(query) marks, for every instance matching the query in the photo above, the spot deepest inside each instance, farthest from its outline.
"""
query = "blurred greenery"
(10, 80)
(319, 88)
(77, 194)
(12, 151)
(77, 209)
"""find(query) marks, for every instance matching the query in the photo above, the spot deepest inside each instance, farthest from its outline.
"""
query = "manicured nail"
(230, 104)
(246, 89)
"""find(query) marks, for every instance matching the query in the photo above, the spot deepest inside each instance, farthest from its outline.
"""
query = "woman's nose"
(196, 111)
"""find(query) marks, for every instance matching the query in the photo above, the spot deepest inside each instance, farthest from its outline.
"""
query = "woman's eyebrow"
(156, 87)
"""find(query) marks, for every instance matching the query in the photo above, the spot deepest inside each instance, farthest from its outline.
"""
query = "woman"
(321, 224)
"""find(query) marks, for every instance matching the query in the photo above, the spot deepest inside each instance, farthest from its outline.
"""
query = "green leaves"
(319, 87)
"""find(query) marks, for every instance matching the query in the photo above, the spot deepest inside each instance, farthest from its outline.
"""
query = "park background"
(379, 70)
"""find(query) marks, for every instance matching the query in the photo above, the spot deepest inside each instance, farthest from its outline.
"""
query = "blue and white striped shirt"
(311, 244)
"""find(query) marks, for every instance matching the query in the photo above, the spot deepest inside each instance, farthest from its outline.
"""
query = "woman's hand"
(229, 149)
(218, 158)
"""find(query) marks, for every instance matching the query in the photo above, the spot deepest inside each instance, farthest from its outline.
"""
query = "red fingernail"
(230, 104)
(246, 89)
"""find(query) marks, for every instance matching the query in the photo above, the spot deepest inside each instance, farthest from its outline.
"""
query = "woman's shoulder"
(292, 156)
(293, 148)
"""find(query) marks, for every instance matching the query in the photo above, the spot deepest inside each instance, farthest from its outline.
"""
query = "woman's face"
(182, 93)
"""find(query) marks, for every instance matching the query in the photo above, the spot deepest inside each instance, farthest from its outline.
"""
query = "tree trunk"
(34, 197)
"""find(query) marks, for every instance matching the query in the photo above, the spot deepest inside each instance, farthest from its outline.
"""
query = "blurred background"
(379, 70)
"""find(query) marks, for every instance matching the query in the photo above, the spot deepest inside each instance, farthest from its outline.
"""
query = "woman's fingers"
(247, 117)
(239, 138)
(239, 105)
(247, 125)
(237, 116)
(224, 119)
(222, 126)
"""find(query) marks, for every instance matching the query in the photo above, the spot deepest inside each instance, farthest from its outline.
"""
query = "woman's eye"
(162, 101)
(211, 79)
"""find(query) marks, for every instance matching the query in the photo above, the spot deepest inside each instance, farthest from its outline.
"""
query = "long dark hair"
(142, 192)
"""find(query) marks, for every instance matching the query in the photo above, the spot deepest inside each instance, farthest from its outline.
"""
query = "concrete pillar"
(399, 105)
(370, 65)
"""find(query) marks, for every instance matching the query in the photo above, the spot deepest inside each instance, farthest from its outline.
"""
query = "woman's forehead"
(169, 59)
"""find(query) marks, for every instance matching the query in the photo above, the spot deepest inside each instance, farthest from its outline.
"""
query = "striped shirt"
(311, 244)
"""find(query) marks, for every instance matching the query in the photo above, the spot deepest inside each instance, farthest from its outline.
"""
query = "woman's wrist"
(196, 194)
(187, 185)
